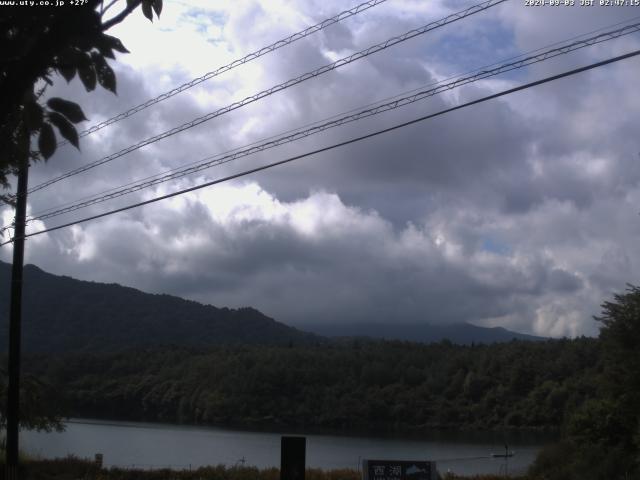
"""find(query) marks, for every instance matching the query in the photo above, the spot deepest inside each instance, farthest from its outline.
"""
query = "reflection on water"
(148, 445)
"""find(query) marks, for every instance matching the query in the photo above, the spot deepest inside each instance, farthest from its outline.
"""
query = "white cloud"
(520, 212)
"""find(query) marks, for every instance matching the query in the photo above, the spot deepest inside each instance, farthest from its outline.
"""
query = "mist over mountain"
(460, 333)
(64, 314)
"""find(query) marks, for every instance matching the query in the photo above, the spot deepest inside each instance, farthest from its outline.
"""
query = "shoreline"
(419, 433)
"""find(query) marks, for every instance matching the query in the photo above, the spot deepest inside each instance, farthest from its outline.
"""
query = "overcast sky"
(522, 212)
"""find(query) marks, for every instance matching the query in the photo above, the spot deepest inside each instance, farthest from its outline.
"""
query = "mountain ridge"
(61, 313)
(459, 333)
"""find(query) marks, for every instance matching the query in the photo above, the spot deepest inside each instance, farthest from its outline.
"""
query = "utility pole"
(15, 317)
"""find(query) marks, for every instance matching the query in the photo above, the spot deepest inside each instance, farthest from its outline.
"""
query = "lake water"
(148, 445)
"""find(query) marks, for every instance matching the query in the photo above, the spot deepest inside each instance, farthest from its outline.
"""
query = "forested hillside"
(64, 314)
(385, 385)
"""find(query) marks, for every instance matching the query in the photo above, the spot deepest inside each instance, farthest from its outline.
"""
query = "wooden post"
(292, 458)
(15, 317)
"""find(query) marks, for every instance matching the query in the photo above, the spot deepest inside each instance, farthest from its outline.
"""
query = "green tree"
(39, 404)
(620, 336)
(603, 434)
(37, 43)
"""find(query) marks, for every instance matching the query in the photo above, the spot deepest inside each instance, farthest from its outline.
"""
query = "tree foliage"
(36, 44)
(384, 385)
(39, 404)
(603, 434)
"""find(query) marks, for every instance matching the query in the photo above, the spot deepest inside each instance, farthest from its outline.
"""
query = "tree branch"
(131, 6)
(104, 9)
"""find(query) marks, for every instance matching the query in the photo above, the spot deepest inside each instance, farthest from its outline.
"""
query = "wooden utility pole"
(15, 318)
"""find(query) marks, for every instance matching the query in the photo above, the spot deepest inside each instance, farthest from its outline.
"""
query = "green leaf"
(66, 129)
(106, 77)
(47, 141)
(98, 61)
(146, 9)
(67, 61)
(104, 46)
(157, 7)
(67, 72)
(69, 109)
(88, 76)
(115, 43)
(106, 52)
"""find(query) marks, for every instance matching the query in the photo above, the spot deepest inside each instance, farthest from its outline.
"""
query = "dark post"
(15, 315)
(292, 458)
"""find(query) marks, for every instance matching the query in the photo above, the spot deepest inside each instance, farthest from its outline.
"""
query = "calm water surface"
(148, 445)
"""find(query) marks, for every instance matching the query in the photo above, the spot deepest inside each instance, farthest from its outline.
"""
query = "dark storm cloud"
(309, 261)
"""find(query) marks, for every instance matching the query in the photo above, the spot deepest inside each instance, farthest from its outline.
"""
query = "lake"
(150, 445)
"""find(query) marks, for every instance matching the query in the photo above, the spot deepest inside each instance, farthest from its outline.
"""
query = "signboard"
(398, 470)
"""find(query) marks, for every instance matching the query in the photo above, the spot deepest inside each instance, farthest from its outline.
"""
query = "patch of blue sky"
(202, 19)
(489, 44)
(498, 46)
(466, 49)
(493, 245)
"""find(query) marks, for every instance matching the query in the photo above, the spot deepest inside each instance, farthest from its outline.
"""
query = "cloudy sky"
(522, 212)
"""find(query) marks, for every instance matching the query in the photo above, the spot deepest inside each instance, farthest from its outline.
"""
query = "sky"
(521, 212)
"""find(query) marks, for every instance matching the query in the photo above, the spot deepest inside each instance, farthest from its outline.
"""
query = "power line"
(218, 159)
(531, 52)
(485, 67)
(282, 86)
(338, 145)
(241, 61)
(319, 126)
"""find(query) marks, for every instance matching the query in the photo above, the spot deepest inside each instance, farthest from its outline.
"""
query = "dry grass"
(73, 468)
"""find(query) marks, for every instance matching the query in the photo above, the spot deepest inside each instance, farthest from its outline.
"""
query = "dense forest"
(384, 385)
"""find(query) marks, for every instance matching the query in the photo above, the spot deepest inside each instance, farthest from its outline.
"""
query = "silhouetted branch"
(131, 6)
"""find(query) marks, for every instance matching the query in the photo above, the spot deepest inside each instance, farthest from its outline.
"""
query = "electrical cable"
(294, 81)
(485, 67)
(241, 61)
(338, 145)
(218, 159)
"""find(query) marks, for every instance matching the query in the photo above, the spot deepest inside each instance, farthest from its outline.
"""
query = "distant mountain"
(64, 314)
(460, 333)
